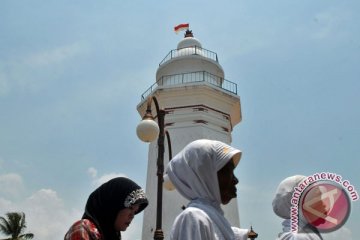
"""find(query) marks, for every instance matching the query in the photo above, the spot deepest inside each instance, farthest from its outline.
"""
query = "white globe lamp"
(147, 130)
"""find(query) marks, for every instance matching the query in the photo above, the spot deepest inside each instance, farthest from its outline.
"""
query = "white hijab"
(282, 207)
(193, 171)
(282, 200)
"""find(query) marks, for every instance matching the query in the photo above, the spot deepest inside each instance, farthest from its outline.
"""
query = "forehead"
(229, 166)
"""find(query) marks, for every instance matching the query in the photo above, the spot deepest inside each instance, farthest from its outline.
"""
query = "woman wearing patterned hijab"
(203, 173)
(109, 210)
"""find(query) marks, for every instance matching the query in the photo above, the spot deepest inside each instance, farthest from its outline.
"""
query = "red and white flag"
(181, 27)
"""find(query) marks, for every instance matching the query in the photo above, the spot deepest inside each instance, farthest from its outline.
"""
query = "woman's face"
(124, 217)
(227, 182)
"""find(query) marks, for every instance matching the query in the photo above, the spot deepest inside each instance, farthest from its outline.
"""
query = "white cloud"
(46, 213)
(11, 185)
(47, 216)
(55, 55)
(92, 172)
(97, 181)
(31, 72)
(5, 205)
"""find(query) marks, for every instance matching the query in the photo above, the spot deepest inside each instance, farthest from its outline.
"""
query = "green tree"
(13, 225)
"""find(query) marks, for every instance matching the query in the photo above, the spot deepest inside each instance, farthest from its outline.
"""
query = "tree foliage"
(13, 225)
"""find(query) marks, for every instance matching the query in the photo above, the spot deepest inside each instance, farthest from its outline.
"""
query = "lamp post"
(147, 131)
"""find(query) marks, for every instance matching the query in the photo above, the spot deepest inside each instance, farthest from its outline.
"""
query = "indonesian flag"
(181, 27)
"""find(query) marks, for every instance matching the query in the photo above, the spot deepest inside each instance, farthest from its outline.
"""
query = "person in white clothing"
(282, 207)
(203, 172)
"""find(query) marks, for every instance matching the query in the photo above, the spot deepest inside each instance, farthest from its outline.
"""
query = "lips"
(235, 192)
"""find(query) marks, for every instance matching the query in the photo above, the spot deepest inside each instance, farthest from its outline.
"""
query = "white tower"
(199, 103)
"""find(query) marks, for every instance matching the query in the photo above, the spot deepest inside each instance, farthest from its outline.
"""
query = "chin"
(123, 229)
(226, 201)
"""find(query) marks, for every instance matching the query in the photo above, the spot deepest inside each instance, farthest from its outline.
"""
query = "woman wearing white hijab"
(203, 173)
(282, 207)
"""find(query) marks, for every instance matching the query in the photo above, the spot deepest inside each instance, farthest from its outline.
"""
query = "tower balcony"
(192, 77)
(187, 51)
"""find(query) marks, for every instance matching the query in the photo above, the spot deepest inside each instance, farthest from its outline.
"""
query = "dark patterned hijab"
(107, 200)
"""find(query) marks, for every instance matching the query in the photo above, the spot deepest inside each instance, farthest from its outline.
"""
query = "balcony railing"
(195, 50)
(192, 77)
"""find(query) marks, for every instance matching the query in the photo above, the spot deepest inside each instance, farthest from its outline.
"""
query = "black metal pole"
(169, 144)
(159, 234)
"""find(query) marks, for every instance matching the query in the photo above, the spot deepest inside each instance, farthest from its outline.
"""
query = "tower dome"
(188, 41)
(190, 62)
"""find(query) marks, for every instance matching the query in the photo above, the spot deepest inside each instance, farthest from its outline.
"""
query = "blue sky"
(72, 73)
